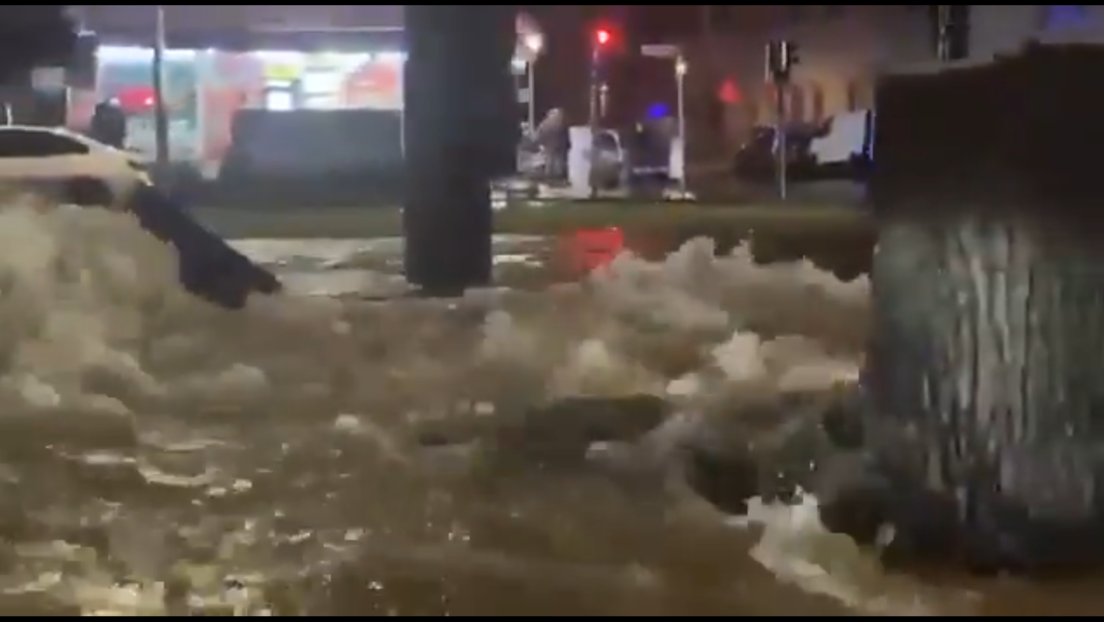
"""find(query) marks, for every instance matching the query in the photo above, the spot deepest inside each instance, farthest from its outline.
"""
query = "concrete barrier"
(312, 157)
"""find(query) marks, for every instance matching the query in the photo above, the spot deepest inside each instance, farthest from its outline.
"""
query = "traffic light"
(602, 38)
(782, 56)
(789, 55)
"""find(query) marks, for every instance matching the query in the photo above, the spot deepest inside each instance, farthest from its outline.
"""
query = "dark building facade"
(843, 48)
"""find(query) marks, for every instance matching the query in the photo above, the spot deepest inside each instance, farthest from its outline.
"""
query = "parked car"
(756, 160)
(78, 170)
(68, 166)
(838, 149)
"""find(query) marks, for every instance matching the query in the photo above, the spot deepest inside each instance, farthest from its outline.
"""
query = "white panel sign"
(660, 50)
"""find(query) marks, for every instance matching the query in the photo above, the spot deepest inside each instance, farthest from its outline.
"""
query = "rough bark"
(988, 349)
(986, 375)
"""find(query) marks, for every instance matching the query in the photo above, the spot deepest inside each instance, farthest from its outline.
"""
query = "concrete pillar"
(987, 362)
(461, 130)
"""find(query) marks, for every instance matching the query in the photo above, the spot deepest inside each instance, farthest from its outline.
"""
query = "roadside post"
(781, 57)
(681, 66)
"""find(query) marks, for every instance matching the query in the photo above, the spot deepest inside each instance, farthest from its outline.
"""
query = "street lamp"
(782, 56)
(680, 85)
(664, 50)
(532, 44)
(160, 115)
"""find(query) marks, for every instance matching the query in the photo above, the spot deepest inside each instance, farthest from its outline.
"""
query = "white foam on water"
(86, 294)
(796, 547)
(75, 285)
(344, 282)
(343, 252)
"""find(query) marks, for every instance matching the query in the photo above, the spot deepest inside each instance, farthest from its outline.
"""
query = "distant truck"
(757, 160)
(843, 148)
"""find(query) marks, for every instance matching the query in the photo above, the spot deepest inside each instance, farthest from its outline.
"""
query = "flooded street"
(159, 456)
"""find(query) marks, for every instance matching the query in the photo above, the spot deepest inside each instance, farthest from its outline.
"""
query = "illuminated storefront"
(205, 88)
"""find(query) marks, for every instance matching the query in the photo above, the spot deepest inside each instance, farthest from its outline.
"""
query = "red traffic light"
(602, 36)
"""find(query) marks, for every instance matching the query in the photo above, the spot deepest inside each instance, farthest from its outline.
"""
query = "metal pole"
(532, 86)
(780, 136)
(592, 156)
(160, 115)
(680, 82)
(943, 32)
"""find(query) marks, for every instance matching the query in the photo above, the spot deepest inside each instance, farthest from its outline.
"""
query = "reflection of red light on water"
(589, 249)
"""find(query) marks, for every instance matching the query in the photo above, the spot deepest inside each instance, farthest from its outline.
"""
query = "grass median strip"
(550, 220)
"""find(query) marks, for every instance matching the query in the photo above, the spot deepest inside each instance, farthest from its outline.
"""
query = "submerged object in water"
(209, 267)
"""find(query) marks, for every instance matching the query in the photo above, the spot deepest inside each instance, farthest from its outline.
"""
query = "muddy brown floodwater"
(158, 456)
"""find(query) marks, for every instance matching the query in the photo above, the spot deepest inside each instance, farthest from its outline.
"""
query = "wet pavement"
(161, 456)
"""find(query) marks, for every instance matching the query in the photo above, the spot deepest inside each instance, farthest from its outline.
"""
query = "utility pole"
(160, 114)
(943, 32)
(782, 56)
(602, 39)
(951, 24)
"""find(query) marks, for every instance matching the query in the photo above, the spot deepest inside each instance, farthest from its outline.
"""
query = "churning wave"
(162, 456)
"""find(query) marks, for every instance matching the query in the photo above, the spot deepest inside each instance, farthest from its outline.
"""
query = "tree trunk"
(986, 367)
(987, 361)
(460, 130)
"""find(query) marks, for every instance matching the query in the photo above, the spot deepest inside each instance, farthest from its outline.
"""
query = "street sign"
(660, 50)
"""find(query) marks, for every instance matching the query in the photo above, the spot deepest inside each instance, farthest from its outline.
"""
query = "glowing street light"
(533, 44)
(681, 67)
(160, 115)
(529, 48)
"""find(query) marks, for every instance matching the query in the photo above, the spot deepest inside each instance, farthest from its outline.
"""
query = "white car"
(68, 166)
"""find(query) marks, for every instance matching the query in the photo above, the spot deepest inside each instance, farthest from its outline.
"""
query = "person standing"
(109, 124)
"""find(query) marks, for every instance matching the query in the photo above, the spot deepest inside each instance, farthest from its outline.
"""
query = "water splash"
(270, 447)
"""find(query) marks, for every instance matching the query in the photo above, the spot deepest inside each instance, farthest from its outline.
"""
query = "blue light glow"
(1066, 15)
(658, 111)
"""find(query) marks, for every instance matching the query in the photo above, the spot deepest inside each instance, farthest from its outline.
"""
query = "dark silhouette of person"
(108, 124)
(550, 136)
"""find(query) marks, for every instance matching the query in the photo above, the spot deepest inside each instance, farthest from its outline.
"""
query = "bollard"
(986, 366)
(460, 131)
